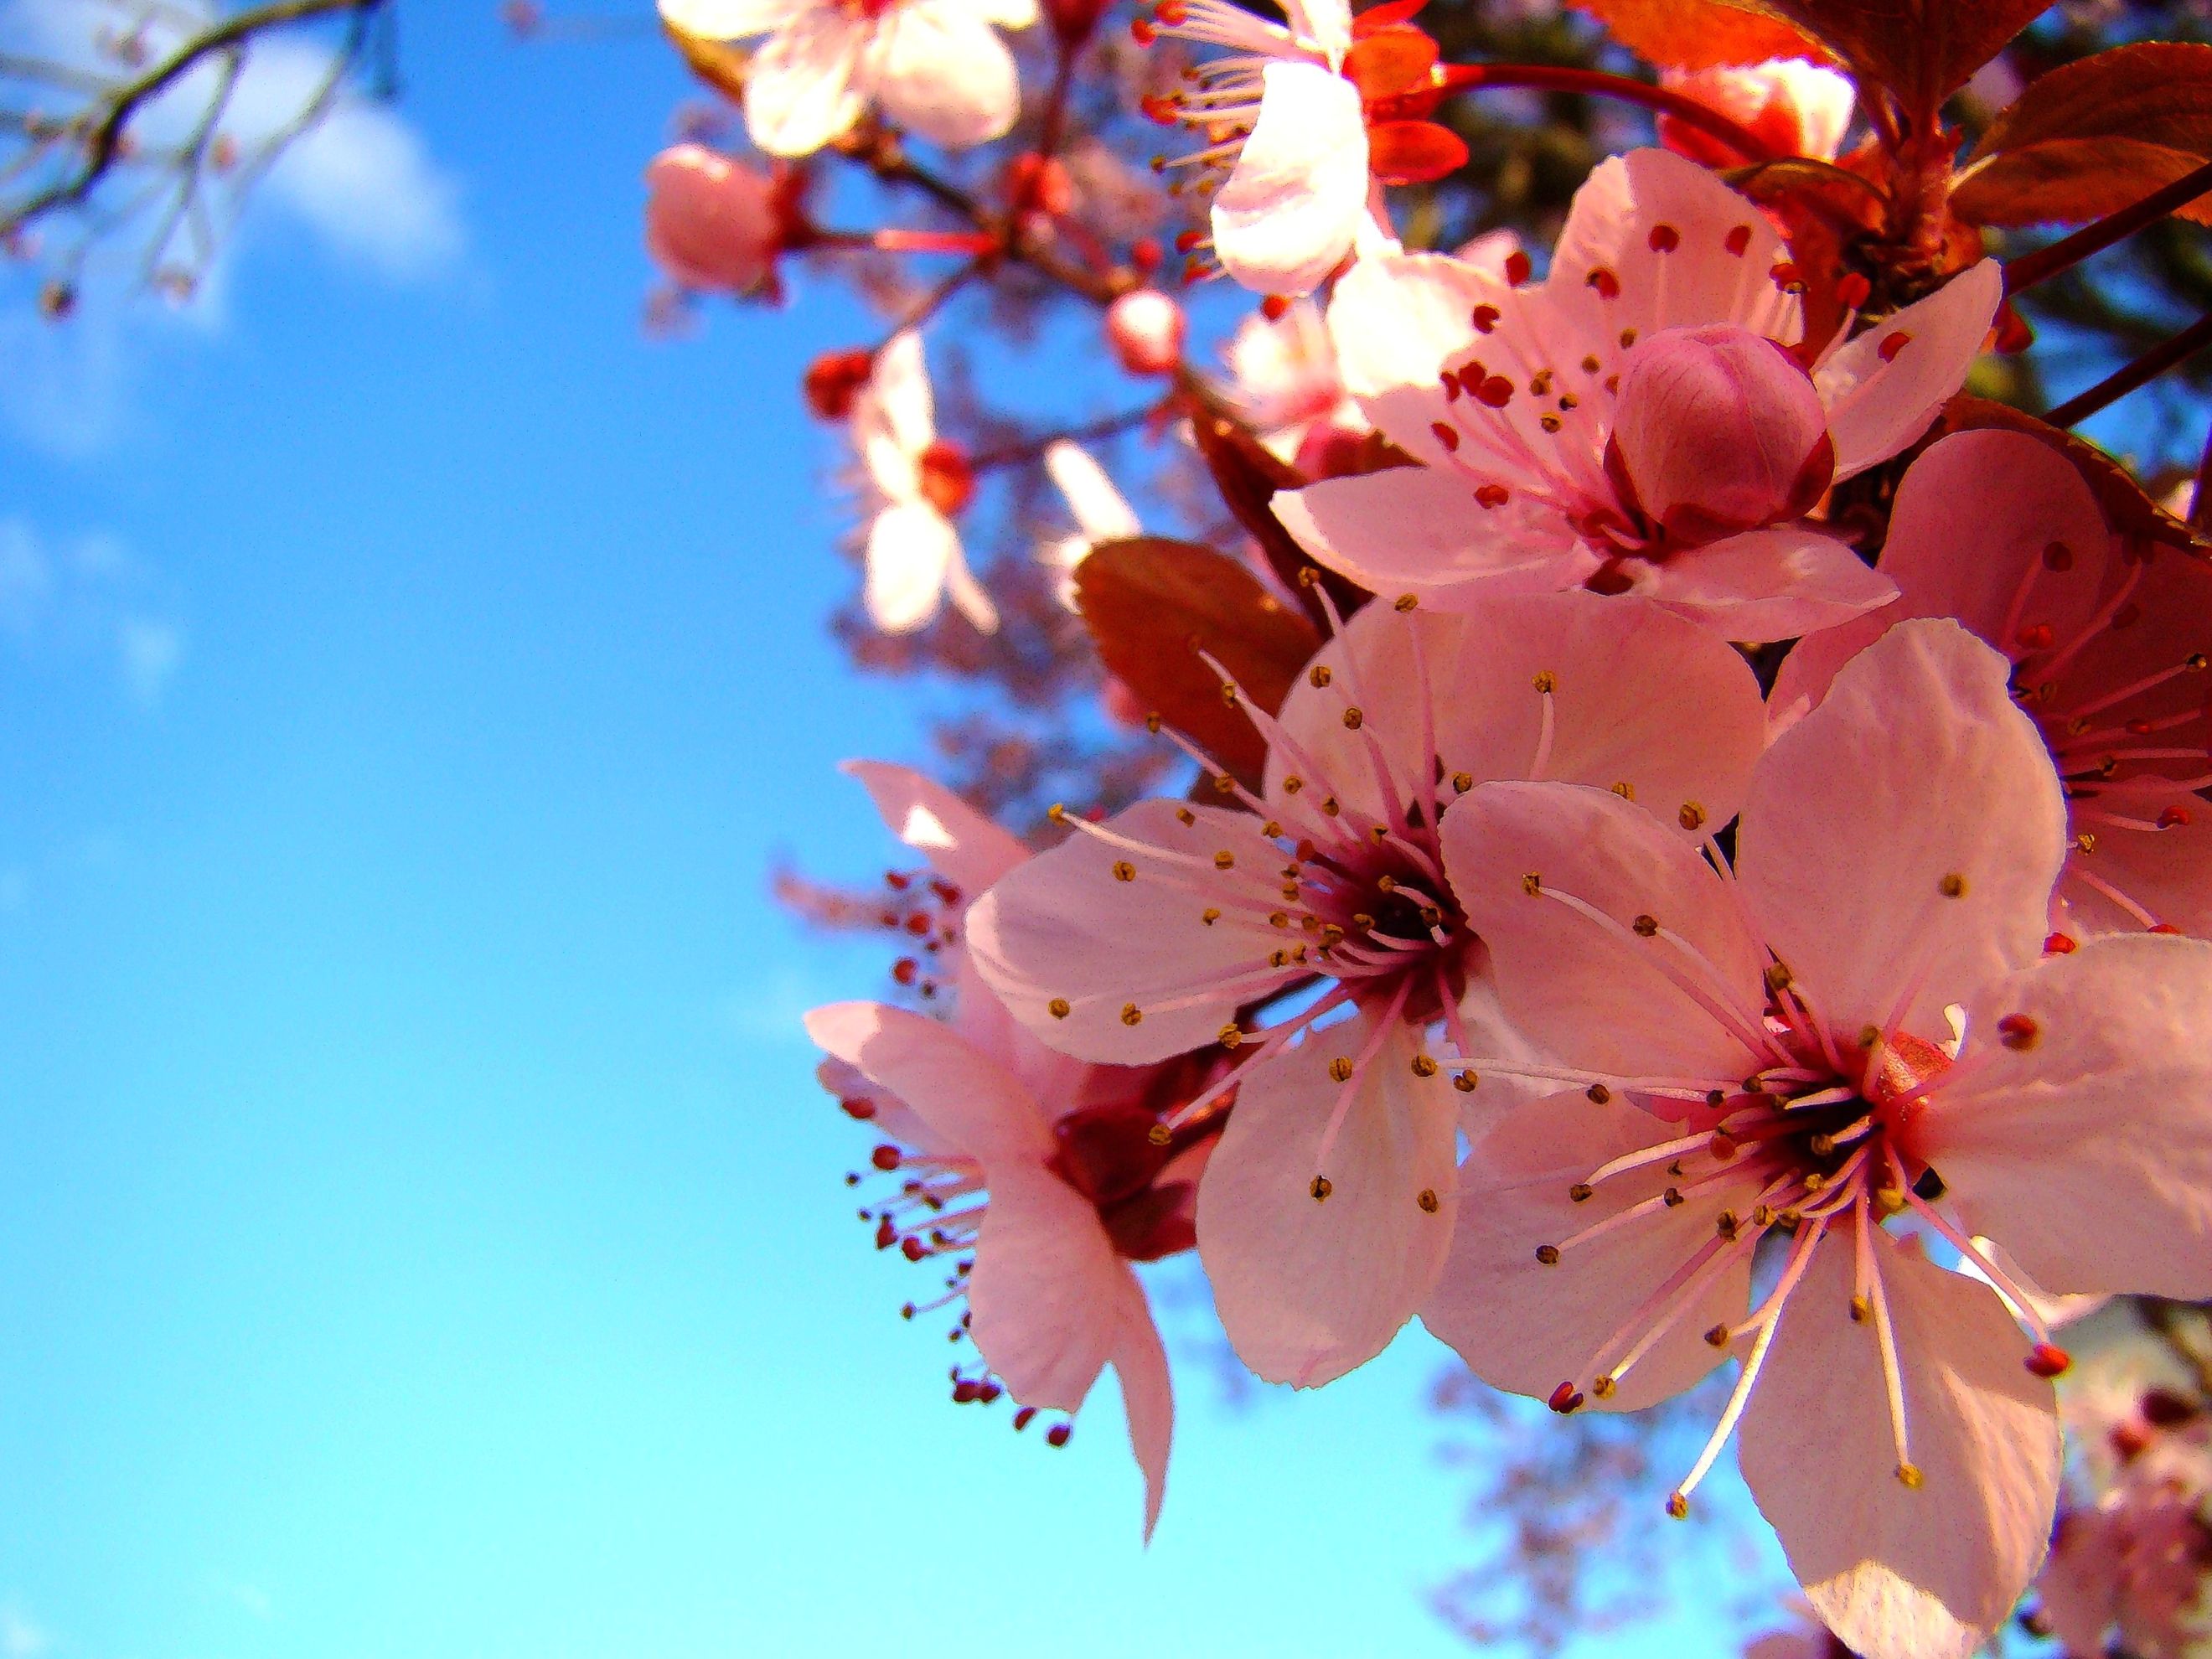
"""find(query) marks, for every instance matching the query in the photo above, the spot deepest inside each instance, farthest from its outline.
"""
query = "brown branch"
(2045, 262)
(2143, 370)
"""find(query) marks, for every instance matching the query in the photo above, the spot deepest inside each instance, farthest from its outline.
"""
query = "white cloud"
(62, 598)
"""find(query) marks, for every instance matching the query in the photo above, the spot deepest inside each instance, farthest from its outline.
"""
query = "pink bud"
(1718, 430)
(1146, 329)
(1797, 108)
(710, 223)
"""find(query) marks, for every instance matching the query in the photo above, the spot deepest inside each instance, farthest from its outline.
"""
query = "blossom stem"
(2070, 251)
(1597, 83)
(2144, 369)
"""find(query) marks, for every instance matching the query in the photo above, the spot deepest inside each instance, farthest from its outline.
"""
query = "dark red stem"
(2143, 370)
(1597, 83)
(2070, 251)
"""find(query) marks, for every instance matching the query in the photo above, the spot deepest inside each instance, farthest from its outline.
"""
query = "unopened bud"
(832, 381)
(1146, 329)
(1794, 108)
(710, 223)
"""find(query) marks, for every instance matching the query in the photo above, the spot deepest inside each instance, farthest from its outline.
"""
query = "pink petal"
(1147, 1397)
(1768, 583)
(2080, 1134)
(1638, 698)
(1414, 529)
(710, 222)
(961, 844)
(1617, 226)
(1898, 1572)
(1308, 1290)
(1047, 1295)
(2166, 871)
(1901, 842)
(1877, 405)
(1396, 320)
(1101, 512)
(1521, 1325)
(1603, 996)
(968, 1099)
(945, 73)
(1288, 213)
(1064, 928)
(889, 1115)
(801, 87)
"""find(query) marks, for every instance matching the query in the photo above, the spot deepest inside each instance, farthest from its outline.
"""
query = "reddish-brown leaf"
(1698, 34)
(1153, 604)
(2092, 136)
(2127, 507)
(1923, 51)
(1249, 478)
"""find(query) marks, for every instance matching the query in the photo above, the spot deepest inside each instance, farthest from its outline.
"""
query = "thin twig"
(2045, 262)
(2144, 369)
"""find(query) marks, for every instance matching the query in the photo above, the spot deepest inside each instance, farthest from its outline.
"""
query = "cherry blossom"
(1312, 934)
(1284, 380)
(1785, 1027)
(937, 67)
(1101, 513)
(1036, 1177)
(1797, 108)
(922, 482)
(2108, 637)
(1636, 422)
(1146, 329)
(714, 225)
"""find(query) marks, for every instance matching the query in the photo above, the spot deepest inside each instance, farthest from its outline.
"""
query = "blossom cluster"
(1689, 857)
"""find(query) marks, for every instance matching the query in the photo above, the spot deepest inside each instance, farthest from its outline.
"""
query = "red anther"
(1496, 392)
(1517, 268)
(907, 1310)
(1449, 381)
(1146, 254)
(1738, 240)
(885, 1156)
(2013, 331)
(1853, 289)
(964, 1391)
(1192, 274)
(2141, 728)
(913, 1249)
(946, 478)
(2129, 1440)
(1723, 1146)
(1142, 32)
(1446, 435)
(1275, 307)
(2018, 1031)
(1485, 318)
(1607, 284)
(2173, 817)
(897, 880)
(917, 925)
(987, 1391)
(2058, 944)
(1891, 345)
(1022, 1417)
(1492, 496)
(906, 971)
(947, 894)
(1190, 241)
(1158, 107)
(2166, 928)
(889, 918)
(1664, 239)
(1565, 1398)
(1173, 13)
(2048, 1359)
(1058, 1433)
(1786, 276)
(857, 1108)
(886, 1235)
(833, 379)
(2162, 1409)
(2037, 636)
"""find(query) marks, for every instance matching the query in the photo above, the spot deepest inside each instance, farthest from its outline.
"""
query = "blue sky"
(421, 1233)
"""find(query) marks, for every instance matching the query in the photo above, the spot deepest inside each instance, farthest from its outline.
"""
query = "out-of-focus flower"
(1324, 1215)
(1795, 107)
(937, 67)
(2109, 640)
(1633, 423)
(1036, 1177)
(1301, 122)
(1101, 513)
(1146, 329)
(922, 482)
(1283, 377)
(716, 226)
(1787, 1036)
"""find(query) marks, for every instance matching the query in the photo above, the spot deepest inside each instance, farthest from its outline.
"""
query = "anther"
(2018, 1031)
(1861, 1310)
(1548, 1255)
(1209, 916)
(1719, 1336)
(1565, 1398)
(1691, 817)
(1678, 1506)
(1778, 977)
(2048, 1359)
(1058, 1008)
(1321, 1187)
(1545, 681)
(1532, 884)
(1405, 602)
(1672, 1197)
(1058, 1433)
(1427, 1199)
(1491, 496)
(1891, 345)
(1131, 1014)
(1888, 1200)
(1341, 1068)
(1057, 811)
(1185, 817)
(1580, 1191)
(1624, 789)
(1319, 675)
(1603, 1387)
(1953, 885)
(1645, 925)
(1599, 1094)
(1461, 782)
(1909, 1476)
(1869, 1036)
(1152, 724)
(1424, 1066)
(1124, 870)
(1225, 860)
(1230, 1035)
(1159, 1135)
(1466, 1082)
(1353, 718)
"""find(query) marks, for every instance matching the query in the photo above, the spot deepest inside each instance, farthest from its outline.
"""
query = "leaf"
(1923, 51)
(1694, 35)
(1152, 604)
(719, 65)
(2094, 137)
(2127, 507)
(1249, 478)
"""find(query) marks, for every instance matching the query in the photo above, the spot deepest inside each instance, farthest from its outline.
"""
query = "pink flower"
(2108, 638)
(2134, 1562)
(1284, 381)
(713, 224)
(1036, 1177)
(1324, 1215)
(1146, 330)
(935, 66)
(922, 482)
(1798, 108)
(1557, 425)
(1785, 1027)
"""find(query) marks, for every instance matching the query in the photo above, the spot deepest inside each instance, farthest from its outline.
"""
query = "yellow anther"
(1603, 1387)
(1271, 829)
(1909, 1476)
(1580, 1191)
(1424, 1066)
(1691, 817)
(1461, 782)
(1466, 1082)
(1057, 811)
(1320, 1189)
(1319, 675)
(1888, 1200)
(1532, 884)
(1277, 919)
(1209, 916)
(1330, 807)
(1599, 1094)
(1545, 681)
(1058, 1008)
(1645, 925)
(1230, 1035)
(1225, 860)
(1229, 694)
(1124, 870)
(1869, 1036)
(1861, 1310)
(1624, 789)
(1159, 1135)
(1224, 784)
(1292, 783)
(1131, 1014)
(1184, 815)
(1719, 1336)
(1778, 976)
(1353, 718)
(1386, 883)
(1678, 1506)
(1152, 724)
(1405, 602)
(1953, 885)
(1341, 1068)
(1426, 1198)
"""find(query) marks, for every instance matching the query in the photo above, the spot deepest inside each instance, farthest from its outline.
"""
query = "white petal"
(1100, 509)
(945, 74)
(727, 19)
(800, 88)
(911, 546)
(1293, 202)
(1326, 23)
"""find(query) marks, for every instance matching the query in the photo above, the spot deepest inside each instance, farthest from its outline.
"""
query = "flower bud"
(1718, 430)
(710, 223)
(947, 480)
(1146, 330)
(1796, 108)
(834, 379)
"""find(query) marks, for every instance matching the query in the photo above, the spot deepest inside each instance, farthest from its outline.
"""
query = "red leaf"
(1923, 51)
(1413, 152)
(1698, 34)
